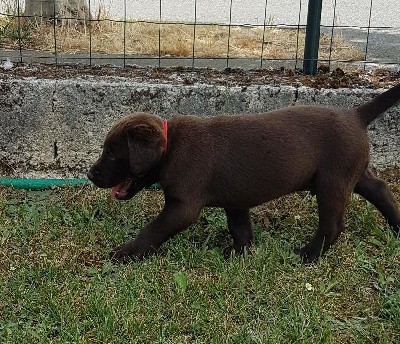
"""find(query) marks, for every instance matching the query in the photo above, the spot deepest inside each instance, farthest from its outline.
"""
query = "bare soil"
(228, 77)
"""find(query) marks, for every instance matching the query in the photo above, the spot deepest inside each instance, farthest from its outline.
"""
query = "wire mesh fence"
(78, 31)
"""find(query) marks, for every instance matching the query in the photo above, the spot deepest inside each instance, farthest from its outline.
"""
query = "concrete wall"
(54, 128)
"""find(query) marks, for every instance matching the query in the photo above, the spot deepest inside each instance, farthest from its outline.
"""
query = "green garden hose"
(40, 184)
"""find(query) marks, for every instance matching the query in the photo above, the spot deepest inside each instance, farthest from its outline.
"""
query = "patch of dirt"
(325, 78)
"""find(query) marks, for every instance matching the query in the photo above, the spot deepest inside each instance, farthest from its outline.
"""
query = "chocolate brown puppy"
(238, 162)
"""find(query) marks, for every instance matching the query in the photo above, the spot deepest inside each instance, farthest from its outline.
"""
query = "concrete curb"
(54, 128)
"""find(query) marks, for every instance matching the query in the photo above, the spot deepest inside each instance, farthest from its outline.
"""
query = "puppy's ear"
(144, 148)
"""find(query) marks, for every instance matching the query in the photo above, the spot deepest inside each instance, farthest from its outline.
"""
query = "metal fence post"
(312, 36)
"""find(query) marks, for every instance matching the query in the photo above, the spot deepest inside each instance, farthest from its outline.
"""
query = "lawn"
(58, 286)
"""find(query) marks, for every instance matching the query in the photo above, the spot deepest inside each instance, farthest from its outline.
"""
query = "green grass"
(57, 285)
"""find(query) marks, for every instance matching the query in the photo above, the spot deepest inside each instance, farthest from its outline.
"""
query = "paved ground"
(383, 46)
(354, 13)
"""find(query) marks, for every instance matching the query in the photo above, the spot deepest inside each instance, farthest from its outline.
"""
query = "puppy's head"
(131, 149)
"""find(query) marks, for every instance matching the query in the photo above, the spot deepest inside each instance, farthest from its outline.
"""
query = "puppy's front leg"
(175, 217)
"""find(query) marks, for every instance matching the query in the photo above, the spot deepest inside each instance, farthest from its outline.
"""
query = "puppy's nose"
(92, 174)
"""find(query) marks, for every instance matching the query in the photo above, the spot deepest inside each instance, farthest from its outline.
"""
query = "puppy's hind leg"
(239, 225)
(332, 203)
(376, 191)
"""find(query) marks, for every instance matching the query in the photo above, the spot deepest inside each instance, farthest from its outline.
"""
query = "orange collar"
(165, 132)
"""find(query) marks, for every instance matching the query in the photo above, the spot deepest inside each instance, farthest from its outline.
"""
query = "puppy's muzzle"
(92, 174)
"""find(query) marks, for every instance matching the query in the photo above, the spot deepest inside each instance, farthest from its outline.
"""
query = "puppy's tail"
(371, 110)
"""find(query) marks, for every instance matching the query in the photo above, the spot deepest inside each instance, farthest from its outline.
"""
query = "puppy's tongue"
(121, 190)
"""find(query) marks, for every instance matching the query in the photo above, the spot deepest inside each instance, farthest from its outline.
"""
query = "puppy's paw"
(122, 254)
(307, 255)
(238, 251)
(228, 252)
(130, 251)
(119, 257)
